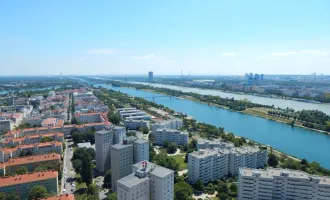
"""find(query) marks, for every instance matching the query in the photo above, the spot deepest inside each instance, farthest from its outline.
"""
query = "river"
(299, 142)
(282, 103)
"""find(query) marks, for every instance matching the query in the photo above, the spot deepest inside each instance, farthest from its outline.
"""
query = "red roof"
(27, 178)
(32, 159)
(61, 197)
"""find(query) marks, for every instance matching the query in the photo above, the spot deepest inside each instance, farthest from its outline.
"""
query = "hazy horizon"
(206, 38)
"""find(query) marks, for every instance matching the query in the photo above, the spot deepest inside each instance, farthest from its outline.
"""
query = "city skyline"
(217, 37)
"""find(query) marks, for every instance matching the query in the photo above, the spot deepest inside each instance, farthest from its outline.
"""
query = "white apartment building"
(147, 182)
(175, 123)
(124, 114)
(135, 124)
(141, 150)
(208, 165)
(216, 143)
(212, 164)
(119, 134)
(281, 184)
(121, 162)
(171, 135)
(103, 142)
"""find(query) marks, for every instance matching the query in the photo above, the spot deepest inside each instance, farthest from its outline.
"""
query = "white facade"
(136, 124)
(281, 184)
(121, 162)
(89, 117)
(168, 124)
(141, 150)
(212, 164)
(103, 142)
(147, 182)
(171, 135)
(119, 134)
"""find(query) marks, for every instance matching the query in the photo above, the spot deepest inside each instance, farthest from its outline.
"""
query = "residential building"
(141, 150)
(175, 123)
(171, 135)
(140, 117)
(103, 142)
(30, 162)
(211, 164)
(35, 149)
(121, 162)
(119, 134)
(32, 139)
(125, 109)
(136, 124)
(281, 184)
(93, 117)
(6, 125)
(50, 122)
(16, 117)
(124, 114)
(147, 182)
(61, 197)
(22, 184)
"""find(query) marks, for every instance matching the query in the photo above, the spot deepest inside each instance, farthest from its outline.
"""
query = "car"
(72, 190)
(97, 181)
(73, 185)
(64, 190)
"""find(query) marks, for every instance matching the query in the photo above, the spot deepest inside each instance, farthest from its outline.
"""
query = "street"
(67, 185)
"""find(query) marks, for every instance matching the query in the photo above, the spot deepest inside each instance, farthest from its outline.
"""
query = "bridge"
(157, 96)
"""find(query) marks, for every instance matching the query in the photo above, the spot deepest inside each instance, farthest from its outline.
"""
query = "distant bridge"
(157, 96)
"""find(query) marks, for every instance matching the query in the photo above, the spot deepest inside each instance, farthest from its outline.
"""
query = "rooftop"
(140, 141)
(120, 146)
(61, 197)
(32, 159)
(132, 180)
(27, 178)
(274, 172)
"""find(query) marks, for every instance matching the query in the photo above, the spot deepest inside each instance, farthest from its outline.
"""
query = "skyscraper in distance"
(151, 76)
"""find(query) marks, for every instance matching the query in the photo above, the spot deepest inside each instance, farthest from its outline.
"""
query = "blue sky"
(132, 37)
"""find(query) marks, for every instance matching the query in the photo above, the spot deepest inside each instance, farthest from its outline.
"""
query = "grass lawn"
(80, 185)
(180, 160)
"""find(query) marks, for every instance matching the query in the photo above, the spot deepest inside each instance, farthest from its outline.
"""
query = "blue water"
(299, 142)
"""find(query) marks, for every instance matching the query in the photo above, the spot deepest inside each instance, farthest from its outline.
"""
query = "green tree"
(92, 189)
(77, 165)
(112, 196)
(91, 152)
(304, 162)
(21, 170)
(2, 196)
(272, 160)
(145, 130)
(47, 139)
(171, 148)
(38, 192)
(114, 118)
(86, 169)
(12, 197)
(107, 179)
(78, 137)
(199, 186)
(182, 191)
(222, 187)
(91, 137)
(223, 196)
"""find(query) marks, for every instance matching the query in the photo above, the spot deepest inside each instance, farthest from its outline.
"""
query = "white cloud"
(284, 53)
(146, 57)
(316, 52)
(228, 54)
(102, 51)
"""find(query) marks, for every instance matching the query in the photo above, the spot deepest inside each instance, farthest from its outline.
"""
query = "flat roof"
(141, 141)
(132, 180)
(273, 172)
(120, 146)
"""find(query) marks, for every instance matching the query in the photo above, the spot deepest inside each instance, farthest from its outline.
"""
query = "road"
(68, 172)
